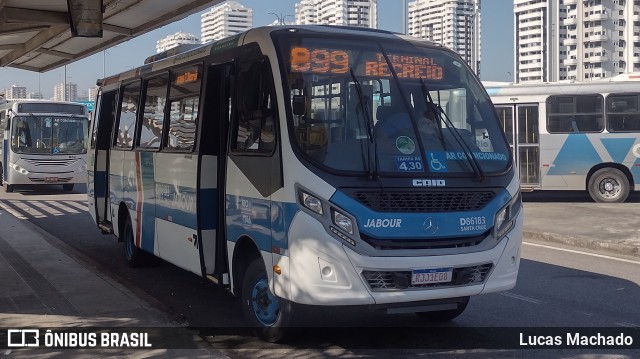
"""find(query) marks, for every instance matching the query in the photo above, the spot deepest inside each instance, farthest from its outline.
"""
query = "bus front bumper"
(324, 271)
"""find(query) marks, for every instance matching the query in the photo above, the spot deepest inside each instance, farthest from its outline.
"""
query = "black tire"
(609, 185)
(67, 187)
(7, 187)
(268, 315)
(134, 256)
(445, 315)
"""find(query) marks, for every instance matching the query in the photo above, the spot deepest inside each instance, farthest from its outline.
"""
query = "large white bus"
(574, 136)
(291, 165)
(43, 142)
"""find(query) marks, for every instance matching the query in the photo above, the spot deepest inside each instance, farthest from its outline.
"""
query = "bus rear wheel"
(445, 315)
(609, 185)
(268, 315)
(132, 254)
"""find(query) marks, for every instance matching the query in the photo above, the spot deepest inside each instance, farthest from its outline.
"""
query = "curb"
(610, 247)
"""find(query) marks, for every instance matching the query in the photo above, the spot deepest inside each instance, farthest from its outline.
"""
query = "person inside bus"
(428, 122)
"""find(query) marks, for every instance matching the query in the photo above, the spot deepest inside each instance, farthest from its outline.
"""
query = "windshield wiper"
(372, 168)
(442, 116)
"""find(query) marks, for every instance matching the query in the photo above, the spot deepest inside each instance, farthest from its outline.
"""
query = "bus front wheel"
(267, 314)
(608, 185)
(7, 187)
(445, 315)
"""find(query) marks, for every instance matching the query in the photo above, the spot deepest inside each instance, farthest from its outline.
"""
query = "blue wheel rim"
(265, 305)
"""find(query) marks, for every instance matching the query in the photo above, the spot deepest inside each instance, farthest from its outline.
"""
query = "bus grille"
(401, 280)
(425, 201)
(424, 243)
(43, 180)
(62, 162)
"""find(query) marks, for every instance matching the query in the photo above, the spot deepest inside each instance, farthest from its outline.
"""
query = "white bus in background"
(43, 142)
(291, 165)
(574, 135)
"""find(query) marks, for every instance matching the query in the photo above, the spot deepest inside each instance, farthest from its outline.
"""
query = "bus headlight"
(18, 168)
(505, 217)
(310, 202)
(343, 222)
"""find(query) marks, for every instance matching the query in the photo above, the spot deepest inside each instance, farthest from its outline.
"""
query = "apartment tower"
(454, 24)
(575, 40)
(59, 93)
(174, 40)
(358, 13)
(225, 19)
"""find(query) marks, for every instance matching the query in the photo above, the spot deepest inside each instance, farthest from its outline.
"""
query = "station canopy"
(41, 35)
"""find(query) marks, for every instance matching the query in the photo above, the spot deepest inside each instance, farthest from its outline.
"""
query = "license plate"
(431, 275)
(51, 179)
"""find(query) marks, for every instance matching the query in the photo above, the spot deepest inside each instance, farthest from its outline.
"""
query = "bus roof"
(613, 84)
(194, 51)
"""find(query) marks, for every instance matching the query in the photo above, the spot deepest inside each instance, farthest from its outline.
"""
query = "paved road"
(556, 288)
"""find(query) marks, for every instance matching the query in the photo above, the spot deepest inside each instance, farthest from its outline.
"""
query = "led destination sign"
(186, 77)
(332, 61)
(319, 60)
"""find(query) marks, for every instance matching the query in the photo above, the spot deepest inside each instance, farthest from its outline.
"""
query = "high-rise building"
(71, 93)
(451, 23)
(35, 96)
(174, 40)
(93, 93)
(359, 13)
(15, 92)
(575, 39)
(225, 19)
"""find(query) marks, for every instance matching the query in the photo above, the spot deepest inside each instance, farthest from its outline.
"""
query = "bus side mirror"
(299, 104)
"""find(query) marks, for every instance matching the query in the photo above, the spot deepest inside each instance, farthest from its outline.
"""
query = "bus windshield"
(49, 134)
(389, 107)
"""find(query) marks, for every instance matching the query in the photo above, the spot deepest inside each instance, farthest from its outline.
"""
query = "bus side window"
(254, 120)
(127, 116)
(153, 116)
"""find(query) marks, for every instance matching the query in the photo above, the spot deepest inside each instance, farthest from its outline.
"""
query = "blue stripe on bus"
(99, 184)
(576, 157)
(282, 216)
(267, 223)
(414, 225)
(148, 231)
(177, 216)
(208, 201)
(618, 148)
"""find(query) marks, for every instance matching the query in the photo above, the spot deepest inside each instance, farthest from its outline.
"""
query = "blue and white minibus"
(292, 164)
(574, 135)
(43, 142)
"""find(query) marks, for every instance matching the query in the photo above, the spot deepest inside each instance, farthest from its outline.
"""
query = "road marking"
(521, 297)
(581, 252)
(27, 209)
(61, 206)
(81, 206)
(12, 211)
(46, 208)
(628, 325)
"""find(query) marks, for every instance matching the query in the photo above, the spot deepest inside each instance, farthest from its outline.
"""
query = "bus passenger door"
(98, 168)
(212, 148)
(520, 124)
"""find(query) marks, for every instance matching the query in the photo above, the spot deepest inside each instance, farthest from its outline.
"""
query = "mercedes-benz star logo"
(430, 226)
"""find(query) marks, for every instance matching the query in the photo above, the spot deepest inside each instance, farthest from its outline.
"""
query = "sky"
(496, 38)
